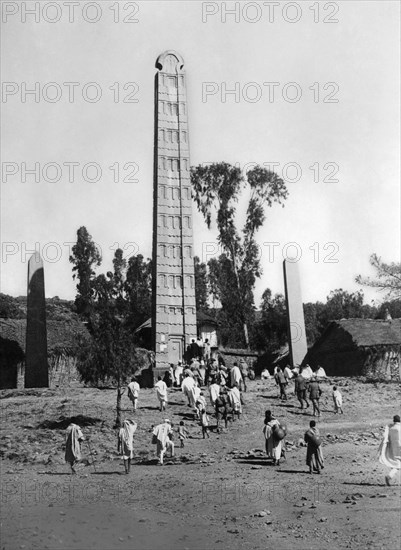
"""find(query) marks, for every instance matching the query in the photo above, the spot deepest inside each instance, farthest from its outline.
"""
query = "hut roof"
(370, 332)
(62, 336)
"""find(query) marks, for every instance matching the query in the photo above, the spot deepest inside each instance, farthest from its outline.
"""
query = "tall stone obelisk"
(173, 293)
(295, 313)
(36, 365)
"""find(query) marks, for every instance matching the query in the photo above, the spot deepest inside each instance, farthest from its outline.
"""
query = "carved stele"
(36, 365)
(173, 293)
(295, 313)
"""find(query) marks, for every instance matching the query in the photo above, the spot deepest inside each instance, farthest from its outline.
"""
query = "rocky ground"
(216, 493)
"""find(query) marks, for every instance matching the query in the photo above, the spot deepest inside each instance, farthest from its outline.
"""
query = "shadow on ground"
(64, 422)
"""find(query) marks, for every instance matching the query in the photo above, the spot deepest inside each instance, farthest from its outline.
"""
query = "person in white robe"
(161, 434)
(288, 372)
(161, 392)
(214, 392)
(125, 442)
(234, 397)
(74, 436)
(187, 388)
(133, 392)
(390, 449)
(200, 403)
(273, 446)
(338, 400)
(235, 376)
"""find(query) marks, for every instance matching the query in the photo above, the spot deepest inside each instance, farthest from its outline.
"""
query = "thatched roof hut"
(366, 347)
(63, 340)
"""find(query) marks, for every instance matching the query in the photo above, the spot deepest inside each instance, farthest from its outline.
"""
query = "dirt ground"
(216, 493)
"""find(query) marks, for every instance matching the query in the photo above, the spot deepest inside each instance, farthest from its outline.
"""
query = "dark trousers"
(301, 394)
(315, 403)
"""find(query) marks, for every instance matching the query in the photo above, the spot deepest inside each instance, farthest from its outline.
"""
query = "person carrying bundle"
(314, 453)
(274, 434)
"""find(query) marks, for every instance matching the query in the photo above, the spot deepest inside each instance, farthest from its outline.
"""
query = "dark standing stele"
(36, 365)
(173, 292)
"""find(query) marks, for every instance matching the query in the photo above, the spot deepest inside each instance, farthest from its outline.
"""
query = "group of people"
(306, 385)
(224, 387)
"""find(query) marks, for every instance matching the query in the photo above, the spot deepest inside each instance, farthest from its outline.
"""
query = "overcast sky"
(314, 90)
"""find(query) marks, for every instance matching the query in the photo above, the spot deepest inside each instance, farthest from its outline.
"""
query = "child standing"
(204, 423)
(338, 401)
(182, 433)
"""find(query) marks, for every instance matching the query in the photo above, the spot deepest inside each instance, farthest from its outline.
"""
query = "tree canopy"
(388, 277)
(109, 302)
(217, 190)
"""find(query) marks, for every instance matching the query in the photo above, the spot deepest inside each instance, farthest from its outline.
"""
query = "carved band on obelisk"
(173, 293)
(36, 365)
(295, 313)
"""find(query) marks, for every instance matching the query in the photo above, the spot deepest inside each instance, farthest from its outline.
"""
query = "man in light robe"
(200, 404)
(162, 434)
(338, 400)
(133, 392)
(187, 388)
(125, 442)
(273, 445)
(234, 396)
(74, 436)
(178, 373)
(390, 449)
(214, 392)
(161, 392)
(236, 376)
(288, 372)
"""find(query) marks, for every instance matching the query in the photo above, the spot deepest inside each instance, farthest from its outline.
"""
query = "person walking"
(74, 436)
(206, 350)
(125, 442)
(300, 390)
(204, 421)
(273, 440)
(133, 392)
(338, 401)
(314, 395)
(182, 433)
(234, 396)
(282, 381)
(161, 392)
(390, 449)
(314, 454)
(162, 436)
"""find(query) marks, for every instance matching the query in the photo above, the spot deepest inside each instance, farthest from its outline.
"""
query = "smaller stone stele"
(295, 313)
(36, 362)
